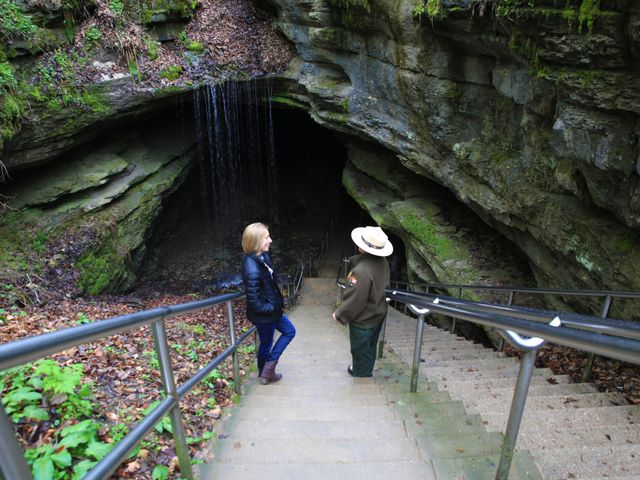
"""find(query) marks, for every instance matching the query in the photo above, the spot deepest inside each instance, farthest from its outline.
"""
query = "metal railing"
(510, 293)
(526, 329)
(290, 288)
(13, 464)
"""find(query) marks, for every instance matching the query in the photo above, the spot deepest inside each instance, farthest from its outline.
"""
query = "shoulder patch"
(352, 279)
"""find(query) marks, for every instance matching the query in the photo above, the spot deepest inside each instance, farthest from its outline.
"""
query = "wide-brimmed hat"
(372, 240)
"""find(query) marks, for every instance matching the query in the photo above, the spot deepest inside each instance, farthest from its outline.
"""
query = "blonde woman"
(264, 301)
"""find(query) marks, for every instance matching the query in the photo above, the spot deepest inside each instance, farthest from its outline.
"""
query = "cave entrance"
(197, 243)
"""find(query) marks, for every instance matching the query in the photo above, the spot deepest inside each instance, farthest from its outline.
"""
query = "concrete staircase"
(571, 430)
(319, 423)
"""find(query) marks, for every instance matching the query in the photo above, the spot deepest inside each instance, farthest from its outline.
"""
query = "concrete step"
(314, 450)
(418, 410)
(404, 398)
(578, 418)
(258, 401)
(441, 342)
(458, 355)
(443, 374)
(588, 461)
(546, 403)
(484, 468)
(321, 471)
(506, 394)
(458, 446)
(342, 413)
(235, 425)
(586, 436)
(290, 380)
(281, 389)
(481, 386)
(472, 364)
(444, 426)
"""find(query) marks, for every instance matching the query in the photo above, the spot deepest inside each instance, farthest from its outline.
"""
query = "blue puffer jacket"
(264, 300)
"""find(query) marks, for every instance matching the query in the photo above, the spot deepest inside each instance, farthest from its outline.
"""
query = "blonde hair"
(252, 237)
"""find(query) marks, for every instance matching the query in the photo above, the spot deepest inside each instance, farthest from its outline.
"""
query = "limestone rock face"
(531, 120)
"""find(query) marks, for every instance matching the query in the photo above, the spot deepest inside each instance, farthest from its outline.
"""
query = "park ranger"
(364, 306)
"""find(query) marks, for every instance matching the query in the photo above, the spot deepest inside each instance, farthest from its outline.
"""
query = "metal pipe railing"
(588, 368)
(12, 354)
(540, 291)
(602, 324)
(626, 348)
(417, 349)
(170, 391)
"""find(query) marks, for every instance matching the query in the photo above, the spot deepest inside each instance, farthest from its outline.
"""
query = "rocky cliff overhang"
(531, 119)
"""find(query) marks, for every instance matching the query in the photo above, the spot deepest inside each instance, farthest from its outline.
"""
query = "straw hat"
(372, 240)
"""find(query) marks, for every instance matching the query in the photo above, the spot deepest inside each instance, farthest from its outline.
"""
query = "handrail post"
(527, 364)
(415, 367)
(453, 319)
(237, 387)
(586, 372)
(509, 302)
(168, 381)
(13, 463)
(344, 268)
(382, 332)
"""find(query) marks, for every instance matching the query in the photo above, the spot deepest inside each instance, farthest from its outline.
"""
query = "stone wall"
(530, 119)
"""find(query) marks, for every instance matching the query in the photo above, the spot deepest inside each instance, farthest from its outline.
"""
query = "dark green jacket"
(364, 304)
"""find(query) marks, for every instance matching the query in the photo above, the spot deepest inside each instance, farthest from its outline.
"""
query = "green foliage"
(12, 104)
(59, 85)
(93, 35)
(74, 449)
(511, 8)
(160, 472)
(97, 272)
(58, 380)
(197, 329)
(76, 442)
(189, 44)
(15, 24)
(8, 80)
(152, 48)
(40, 242)
(172, 72)
(163, 425)
(433, 8)
(250, 348)
(28, 385)
(589, 11)
(116, 6)
(427, 234)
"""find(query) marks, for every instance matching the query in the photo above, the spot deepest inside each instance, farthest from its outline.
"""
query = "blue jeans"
(267, 351)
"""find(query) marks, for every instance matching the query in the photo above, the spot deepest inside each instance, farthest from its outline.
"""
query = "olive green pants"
(364, 342)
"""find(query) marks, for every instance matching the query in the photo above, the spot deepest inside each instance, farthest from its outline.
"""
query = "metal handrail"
(620, 345)
(623, 328)
(296, 283)
(511, 291)
(16, 353)
(625, 349)
(541, 291)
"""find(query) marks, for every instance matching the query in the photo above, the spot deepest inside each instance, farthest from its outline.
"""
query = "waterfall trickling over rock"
(236, 155)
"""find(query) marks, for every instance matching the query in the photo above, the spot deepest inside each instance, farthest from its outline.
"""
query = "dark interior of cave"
(198, 242)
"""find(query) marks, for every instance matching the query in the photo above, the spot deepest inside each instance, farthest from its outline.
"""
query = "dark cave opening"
(193, 246)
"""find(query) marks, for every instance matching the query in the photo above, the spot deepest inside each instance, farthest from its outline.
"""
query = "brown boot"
(269, 374)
